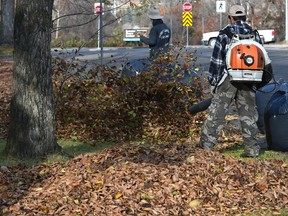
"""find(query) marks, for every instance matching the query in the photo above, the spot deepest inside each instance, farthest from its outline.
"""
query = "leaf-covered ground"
(139, 180)
(162, 179)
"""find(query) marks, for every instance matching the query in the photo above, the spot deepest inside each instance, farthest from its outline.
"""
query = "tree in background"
(32, 116)
(78, 22)
(7, 21)
(268, 15)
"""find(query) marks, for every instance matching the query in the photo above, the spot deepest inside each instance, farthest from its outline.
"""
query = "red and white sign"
(187, 7)
(97, 8)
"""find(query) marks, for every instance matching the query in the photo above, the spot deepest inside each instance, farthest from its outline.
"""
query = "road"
(120, 56)
(278, 55)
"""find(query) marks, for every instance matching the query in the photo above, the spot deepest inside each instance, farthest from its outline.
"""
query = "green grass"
(4, 50)
(73, 148)
(76, 148)
(282, 212)
(237, 152)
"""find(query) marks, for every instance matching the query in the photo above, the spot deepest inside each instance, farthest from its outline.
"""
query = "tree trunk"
(7, 7)
(32, 115)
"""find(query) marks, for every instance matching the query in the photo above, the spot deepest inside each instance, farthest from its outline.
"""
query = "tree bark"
(7, 17)
(32, 130)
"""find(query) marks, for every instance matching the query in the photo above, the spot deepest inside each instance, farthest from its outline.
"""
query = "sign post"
(98, 9)
(187, 16)
(221, 8)
(286, 20)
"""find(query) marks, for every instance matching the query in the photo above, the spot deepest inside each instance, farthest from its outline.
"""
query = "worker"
(159, 35)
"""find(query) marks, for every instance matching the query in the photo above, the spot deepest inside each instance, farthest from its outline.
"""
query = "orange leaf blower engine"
(245, 61)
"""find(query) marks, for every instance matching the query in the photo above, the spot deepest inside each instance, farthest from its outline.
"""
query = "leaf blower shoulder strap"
(227, 32)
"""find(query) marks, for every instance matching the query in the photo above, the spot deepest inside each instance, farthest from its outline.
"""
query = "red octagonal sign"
(97, 9)
(187, 7)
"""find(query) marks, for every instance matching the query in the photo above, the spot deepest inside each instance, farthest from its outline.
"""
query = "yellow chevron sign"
(187, 18)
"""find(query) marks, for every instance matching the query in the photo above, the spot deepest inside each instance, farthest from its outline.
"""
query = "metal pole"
(187, 35)
(171, 24)
(98, 32)
(203, 23)
(101, 30)
(220, 20)
(114, 8)
(286, 22)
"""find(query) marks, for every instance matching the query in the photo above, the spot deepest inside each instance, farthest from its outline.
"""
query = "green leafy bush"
(72, 42)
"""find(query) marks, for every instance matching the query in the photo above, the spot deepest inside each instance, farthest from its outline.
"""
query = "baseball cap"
(236, 10)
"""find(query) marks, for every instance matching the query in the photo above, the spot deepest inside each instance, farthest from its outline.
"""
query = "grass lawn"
(4, 50)
(76, 148)
(72, 147)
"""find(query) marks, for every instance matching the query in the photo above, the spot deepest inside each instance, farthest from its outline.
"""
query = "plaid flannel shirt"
(217, 66)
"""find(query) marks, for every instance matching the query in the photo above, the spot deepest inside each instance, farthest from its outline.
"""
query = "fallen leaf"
(194, 203)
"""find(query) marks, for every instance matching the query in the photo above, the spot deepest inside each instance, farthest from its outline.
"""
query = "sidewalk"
(6, 56)
(277, 45)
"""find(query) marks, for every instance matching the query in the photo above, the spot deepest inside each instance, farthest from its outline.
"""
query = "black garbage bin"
(262, 98)
(276, 121)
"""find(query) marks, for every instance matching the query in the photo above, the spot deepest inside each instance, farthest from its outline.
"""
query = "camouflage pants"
(245, 102)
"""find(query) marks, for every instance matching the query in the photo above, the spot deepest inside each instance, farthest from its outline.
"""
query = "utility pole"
(286, 21)
(101, 31)
(171, 25)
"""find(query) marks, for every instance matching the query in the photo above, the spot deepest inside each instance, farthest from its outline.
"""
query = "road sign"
(187, 7)
(221, 6)
(187, 18)
(134, 34)
(97, 8)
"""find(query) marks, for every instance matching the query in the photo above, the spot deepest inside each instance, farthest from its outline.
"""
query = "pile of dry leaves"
(139, 180)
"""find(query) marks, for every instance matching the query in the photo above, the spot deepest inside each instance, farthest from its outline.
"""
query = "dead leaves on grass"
(139, 180)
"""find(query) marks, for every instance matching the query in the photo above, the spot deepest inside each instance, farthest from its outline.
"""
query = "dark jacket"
(159, 38)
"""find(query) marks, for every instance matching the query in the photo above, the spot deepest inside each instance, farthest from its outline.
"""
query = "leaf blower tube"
(203, 105)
